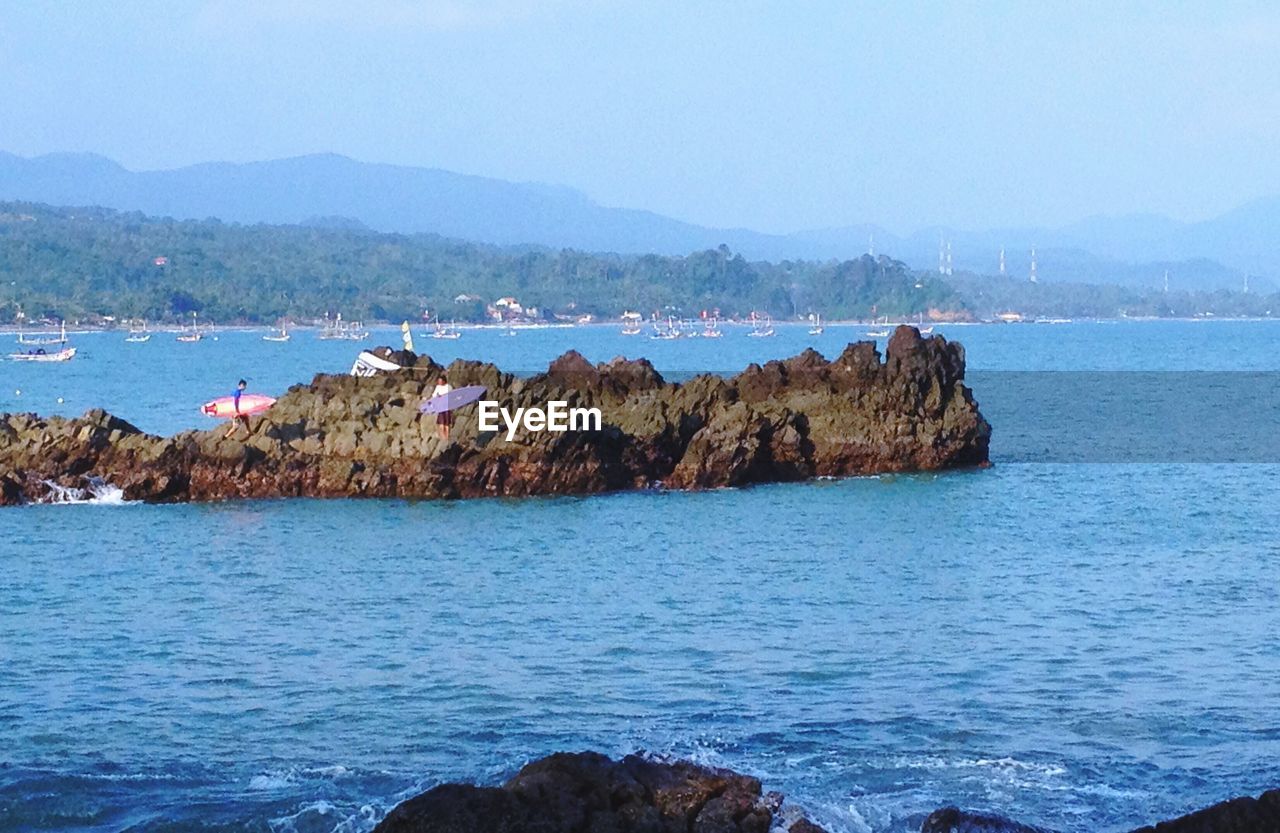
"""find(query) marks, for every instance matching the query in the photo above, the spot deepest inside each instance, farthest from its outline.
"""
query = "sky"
(776, 116)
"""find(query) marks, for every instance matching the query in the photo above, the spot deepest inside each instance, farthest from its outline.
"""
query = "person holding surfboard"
(239, 417)
(444, 419)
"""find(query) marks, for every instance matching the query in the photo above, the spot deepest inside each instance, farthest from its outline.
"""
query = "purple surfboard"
(453, 400)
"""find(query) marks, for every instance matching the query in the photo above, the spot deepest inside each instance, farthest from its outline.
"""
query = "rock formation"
(345, 436)
(587, 792)
(1238, 815)
(568, 793)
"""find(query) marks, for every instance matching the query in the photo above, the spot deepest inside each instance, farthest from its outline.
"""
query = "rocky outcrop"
(347, 436)
(1239, 815)
(587, 792)
(955, 820)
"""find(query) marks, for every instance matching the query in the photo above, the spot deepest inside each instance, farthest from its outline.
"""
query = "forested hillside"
(79, 263)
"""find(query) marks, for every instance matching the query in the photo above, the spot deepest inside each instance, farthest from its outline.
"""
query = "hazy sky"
(777, 116)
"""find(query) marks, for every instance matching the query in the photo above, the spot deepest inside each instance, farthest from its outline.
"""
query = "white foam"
(96, 493)
(362, 821)
(271, 781)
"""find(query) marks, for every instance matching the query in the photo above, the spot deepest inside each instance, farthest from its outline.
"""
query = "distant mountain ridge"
(329, 188)
(390, 198)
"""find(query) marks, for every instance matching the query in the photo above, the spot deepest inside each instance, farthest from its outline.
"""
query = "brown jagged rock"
(804, 826)
(346, 436)
(1237, 815)
(583, 792)
(955, 820)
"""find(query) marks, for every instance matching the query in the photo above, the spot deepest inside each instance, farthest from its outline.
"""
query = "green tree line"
(82, 263)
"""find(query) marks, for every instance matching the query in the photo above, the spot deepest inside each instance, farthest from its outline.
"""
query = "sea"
(1083, 641)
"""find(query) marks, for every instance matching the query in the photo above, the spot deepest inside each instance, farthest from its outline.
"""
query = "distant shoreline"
(422, 330)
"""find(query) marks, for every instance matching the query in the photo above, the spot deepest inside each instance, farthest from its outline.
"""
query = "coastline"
(422, 327)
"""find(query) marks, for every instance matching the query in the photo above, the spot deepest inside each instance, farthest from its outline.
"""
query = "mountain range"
(333, 190)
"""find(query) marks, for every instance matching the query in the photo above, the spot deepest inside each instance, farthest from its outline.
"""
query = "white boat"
(39, 354)
(371, 364)
(665, 332)
(925, 331)
(138, 334)
(632, 323)
(878, 333)
(193, 335)
(816, 320)
(445, 331)
(508, 332)
(281, 337)
(335, 329)
(712, 329)
(761, 327)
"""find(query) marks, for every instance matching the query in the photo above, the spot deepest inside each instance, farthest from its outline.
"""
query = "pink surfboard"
(250, 404)
(452, 400)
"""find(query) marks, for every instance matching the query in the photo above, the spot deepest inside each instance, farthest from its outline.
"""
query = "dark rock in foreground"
(587, 792)
(568, 793)
(344, 436)
(955, 820)
(1238, 815)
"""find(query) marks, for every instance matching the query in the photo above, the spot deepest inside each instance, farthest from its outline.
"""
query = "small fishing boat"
(761, 327)
(508, 331)
(446, 331)
(138, 334)
(335, 329)
(193, 335)
(878, 333)
(39, 354)
(925, 331)
(632, 323)
(670, 331)
(712, 329)
(817, 328)
(282, 336)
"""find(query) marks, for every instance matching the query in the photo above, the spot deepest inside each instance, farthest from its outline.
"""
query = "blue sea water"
(1083, 646)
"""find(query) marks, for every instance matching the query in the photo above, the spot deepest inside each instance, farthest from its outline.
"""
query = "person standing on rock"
(239, 417)
(444, 419)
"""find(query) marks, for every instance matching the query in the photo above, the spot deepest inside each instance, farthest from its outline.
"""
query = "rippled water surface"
(1081, 646)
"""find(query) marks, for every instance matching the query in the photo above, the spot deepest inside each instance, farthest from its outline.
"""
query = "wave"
(323, 815)
(96, 492)
(281, 778)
